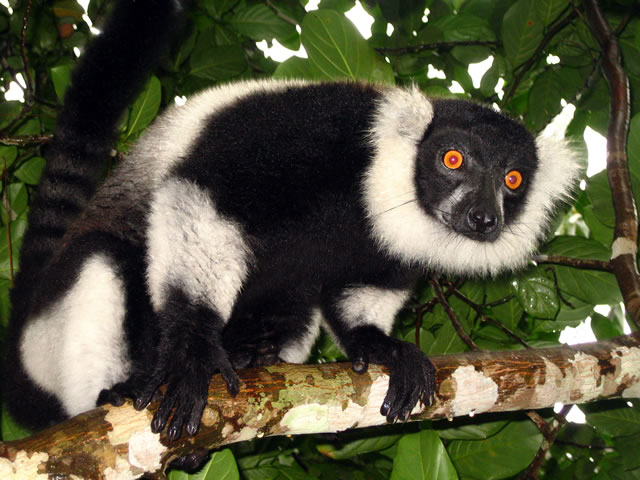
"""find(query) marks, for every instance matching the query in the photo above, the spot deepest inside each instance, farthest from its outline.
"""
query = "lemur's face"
(474, 182)
(472, 174)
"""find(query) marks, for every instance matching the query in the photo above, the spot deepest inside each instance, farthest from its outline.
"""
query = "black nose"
(482, 221)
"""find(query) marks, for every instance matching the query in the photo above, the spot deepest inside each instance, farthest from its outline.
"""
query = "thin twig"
(24, 140)
(550, 432)
(280, 15)
(436, 46)
(452, 316)
(420, 310)
(585, 264)
(484, 318)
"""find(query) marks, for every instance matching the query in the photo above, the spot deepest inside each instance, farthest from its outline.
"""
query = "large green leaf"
(614, 418)
(521, 31)
(537, 294)
(7, 156)
(295, 67)
(548, 10)
(259, 22)
(544, 100)
(422, 456)
(337, 50)
(590, 286)
(61, 78)
(30, 171)
(145, 107)
(358, 447)
(447, 341)
(599, 194)
(500, 456)
(473, 431)
(218, 63)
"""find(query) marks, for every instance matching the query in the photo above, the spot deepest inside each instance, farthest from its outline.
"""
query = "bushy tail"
(110, 73)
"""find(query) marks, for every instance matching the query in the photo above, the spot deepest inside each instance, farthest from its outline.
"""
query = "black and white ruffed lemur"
(257, 212)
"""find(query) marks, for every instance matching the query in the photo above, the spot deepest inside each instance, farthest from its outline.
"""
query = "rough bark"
(117, 443)
(625, 244)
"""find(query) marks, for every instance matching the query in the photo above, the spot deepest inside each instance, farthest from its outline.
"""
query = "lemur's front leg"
(361, 319)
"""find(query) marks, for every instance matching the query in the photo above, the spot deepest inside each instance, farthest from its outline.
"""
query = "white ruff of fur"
(405, 231)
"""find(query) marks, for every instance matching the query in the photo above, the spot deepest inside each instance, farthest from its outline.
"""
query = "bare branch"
(24, 140)
(587, 264)
(624, 247)
(296, 399)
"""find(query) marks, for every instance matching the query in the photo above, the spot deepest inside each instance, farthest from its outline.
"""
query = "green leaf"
(521, 31)
(7, 156)
(145, 107)
(473, 431)
(500, 456)
(61, 78)
(599, 194)
(604, 327)
(259, 22)
(9, 111)
(296, 68)
(18, 199)
(464, 27)
(590, 286)
(358, 447)
(336, 49)
(30, 171)
(216, 8)
(447, 341)
(537, 294)
(422, 456)
(614, 418)
(218, 63)
(544, 100)
(548, 10)
(222, 466)
(10, 429)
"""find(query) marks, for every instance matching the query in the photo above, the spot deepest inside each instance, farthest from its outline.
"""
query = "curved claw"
(412, 379)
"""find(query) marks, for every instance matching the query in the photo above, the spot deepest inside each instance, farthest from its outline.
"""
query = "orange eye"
(452, 159)
(513, 179)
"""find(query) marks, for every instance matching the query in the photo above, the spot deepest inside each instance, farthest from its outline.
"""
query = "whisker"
(393, 208)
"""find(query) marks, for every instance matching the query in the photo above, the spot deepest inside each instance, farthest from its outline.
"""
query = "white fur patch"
(192, 247)
(405, 231)
(77, 347)
(298, 351)
(360, 306)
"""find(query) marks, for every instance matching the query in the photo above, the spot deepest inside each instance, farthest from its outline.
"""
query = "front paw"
(411, 373)
(411, 379)
(187, 379)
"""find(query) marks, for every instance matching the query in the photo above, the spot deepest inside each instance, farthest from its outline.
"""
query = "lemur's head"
(461, 188)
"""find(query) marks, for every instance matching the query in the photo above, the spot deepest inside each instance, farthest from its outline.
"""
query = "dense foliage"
(543, 54)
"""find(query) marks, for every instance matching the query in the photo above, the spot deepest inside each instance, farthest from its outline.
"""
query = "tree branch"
(436, 46)
(116, 442)
(586, 264)
(624, 247)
